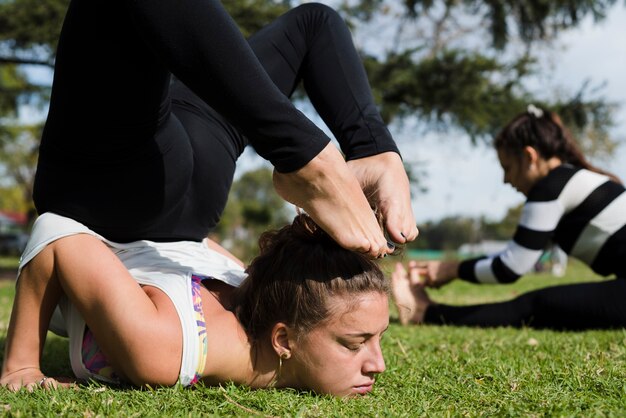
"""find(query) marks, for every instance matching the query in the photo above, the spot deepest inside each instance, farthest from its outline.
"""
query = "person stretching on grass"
(569, 203)
(309, 315)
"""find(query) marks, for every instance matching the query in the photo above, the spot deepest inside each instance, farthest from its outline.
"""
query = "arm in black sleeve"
(200, 44)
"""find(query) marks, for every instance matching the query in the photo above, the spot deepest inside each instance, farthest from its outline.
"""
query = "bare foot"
(383, 178)
(409, 295)
(331, 194)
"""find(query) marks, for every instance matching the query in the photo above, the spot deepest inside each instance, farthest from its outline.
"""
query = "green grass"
(431, 371)
(9, 262)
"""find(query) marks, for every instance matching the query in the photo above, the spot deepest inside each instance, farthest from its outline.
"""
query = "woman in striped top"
(570, 204)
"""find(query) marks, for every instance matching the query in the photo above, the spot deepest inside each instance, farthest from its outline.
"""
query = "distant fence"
(427, 254)
(546, 257)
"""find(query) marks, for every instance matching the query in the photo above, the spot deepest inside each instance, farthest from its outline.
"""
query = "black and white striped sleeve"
(534, 232)
(547, 202)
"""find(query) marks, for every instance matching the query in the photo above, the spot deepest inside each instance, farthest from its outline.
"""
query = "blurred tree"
(504, 228)
(253, 207)
(29, 30)
(452, 64)
(448, 234)
(18, 153)
(466, 63)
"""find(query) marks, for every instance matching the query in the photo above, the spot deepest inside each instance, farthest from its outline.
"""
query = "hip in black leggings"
(134, 156)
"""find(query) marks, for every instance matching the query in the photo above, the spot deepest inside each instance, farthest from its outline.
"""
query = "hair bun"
(304, 226)
(302, 230)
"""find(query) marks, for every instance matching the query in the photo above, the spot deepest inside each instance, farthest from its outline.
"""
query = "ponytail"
(544, 131)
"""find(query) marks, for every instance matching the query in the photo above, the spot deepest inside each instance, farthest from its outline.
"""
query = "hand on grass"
(31, 378)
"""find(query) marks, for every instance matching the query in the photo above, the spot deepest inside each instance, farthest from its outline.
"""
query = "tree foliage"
(466, 64)
(449, 233)
(253, 207)
(30, 30)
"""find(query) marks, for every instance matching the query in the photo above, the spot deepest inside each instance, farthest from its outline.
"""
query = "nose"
(375, 363)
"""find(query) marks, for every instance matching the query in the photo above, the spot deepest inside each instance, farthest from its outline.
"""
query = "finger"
(48, 383)
(422, 270)
(32, 386)
(414, 276)
(399, 271)
(13, 387)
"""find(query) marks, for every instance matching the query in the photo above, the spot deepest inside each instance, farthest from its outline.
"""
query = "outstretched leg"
(597, 305)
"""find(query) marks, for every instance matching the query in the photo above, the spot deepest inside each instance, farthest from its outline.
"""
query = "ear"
(280, 338)
(532, 154)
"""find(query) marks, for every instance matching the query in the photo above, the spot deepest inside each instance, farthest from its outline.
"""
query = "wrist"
(8, 372)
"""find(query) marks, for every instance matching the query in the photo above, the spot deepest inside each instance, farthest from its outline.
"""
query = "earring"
(284, 355)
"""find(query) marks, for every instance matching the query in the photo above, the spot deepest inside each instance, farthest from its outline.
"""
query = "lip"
(364, 389)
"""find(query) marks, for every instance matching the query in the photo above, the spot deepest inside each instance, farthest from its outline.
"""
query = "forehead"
(505, 157)
(365, 312)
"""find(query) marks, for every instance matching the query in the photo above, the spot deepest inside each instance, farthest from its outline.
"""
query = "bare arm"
(125, 318)
(37, 294)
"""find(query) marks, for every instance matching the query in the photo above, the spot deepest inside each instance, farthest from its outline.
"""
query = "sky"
(466, 180)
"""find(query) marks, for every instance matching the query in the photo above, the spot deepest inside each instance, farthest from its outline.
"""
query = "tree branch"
(26, 61)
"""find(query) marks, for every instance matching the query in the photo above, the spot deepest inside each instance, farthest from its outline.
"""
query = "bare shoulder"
(227, 342)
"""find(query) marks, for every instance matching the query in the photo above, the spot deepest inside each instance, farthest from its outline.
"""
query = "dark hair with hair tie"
(544, 131)
(298, 269)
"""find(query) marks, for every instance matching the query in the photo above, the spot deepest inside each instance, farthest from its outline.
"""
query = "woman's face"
(517, 171)
(342, 355)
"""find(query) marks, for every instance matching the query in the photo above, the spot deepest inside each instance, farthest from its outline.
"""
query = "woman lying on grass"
(570, 204)
(309, 315)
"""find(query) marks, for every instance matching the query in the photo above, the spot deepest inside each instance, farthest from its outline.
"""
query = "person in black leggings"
(134, 155)
(570, 204)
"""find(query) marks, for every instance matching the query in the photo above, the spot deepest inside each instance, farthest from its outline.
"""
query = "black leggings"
(596, 305)
(172, 182)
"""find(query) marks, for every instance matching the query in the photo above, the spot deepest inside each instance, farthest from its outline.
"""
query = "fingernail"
(402, 235)
(391, 246)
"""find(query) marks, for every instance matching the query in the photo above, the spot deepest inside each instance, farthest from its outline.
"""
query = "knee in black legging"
(317, 17)
(317, 10)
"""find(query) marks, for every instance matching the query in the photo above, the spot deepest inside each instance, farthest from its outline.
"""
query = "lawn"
(431, 371)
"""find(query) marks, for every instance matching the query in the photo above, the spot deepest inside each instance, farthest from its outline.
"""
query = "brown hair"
(544, 131)
(298, 269)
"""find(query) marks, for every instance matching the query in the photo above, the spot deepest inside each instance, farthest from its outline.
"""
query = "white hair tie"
(534, 110)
